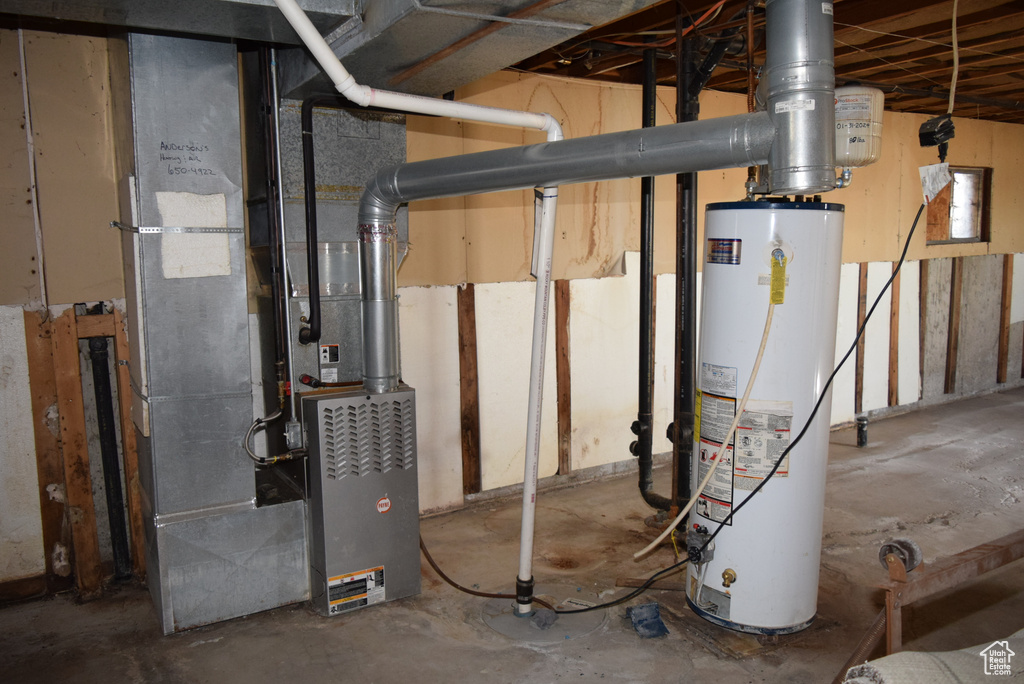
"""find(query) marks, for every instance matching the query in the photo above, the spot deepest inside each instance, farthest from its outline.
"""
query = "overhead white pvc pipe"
(365, 96)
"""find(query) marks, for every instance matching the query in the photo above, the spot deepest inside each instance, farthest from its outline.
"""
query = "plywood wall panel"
(19, 277)
(604, 350)
(979, 324)
(430, 364)
(504, 315)
(876, 345)
(69, 95)
(596, 222)
(936, 327)
(909, 344)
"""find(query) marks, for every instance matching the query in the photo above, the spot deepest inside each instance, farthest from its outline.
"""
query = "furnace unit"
(363, 503)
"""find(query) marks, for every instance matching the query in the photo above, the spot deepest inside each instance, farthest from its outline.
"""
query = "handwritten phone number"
(189, 170)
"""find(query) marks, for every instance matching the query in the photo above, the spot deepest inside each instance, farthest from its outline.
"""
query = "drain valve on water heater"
(728, 577)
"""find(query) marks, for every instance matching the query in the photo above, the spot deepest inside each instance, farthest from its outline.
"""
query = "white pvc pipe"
(371, 97)
(544, 248)
(367, 97)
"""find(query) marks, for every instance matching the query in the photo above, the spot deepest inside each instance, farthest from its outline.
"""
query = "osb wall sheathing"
(488, 238)
(69, 104)
(19, 278)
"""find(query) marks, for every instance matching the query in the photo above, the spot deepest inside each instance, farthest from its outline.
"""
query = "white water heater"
(760, 574)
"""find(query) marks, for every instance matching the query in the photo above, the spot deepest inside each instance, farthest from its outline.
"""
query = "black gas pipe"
(111, 462)
(643, 427)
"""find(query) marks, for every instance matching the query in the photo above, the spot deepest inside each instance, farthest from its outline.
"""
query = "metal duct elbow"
(800, 76)
(381, 198)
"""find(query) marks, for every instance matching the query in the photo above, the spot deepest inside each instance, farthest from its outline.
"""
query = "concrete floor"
(949, 477)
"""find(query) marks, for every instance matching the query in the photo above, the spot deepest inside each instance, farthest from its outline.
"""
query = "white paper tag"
(793, 106)
(933, 179)
(826, 8)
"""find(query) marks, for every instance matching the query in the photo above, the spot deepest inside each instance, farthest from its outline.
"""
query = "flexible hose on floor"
(467, 590)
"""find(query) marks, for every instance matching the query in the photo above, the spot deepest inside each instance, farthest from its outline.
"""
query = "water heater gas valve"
(699, 548)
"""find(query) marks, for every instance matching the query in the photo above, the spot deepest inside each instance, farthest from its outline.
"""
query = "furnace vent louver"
(374, 437)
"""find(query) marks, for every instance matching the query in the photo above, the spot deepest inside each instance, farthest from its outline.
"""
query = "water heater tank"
(761, 574)
(858, 125)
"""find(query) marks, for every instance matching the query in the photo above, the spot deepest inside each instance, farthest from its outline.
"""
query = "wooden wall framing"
(68, 514)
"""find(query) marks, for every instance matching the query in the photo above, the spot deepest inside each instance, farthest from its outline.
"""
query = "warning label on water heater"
(762, 435)
(715, 413)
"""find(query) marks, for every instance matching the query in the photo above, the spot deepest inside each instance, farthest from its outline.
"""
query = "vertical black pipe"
(274, 238)
(687, 109)
(644, 426)
(111, 463)
(311, 333)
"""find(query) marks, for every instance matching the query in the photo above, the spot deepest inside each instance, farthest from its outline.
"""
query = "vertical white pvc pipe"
(545, 247)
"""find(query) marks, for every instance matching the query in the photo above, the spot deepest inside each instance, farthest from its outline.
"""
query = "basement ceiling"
(904, 47)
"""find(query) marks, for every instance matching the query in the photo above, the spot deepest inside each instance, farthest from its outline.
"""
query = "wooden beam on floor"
(49, 465)
(894, 341)
(129, 448)
(563, 372)
(74, 449)
(1004, 319)
(469, 390)
(23, 588)
(862, 304)
(956, 281)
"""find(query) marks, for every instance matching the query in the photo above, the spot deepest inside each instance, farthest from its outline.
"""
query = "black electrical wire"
(471, 592)
(821, 397)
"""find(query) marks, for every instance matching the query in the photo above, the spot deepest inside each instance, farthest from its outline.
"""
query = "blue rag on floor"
(647, 620)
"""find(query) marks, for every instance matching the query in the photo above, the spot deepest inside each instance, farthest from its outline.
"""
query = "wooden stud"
(922, 330)
(49, 466)
(563, 371)
(23, 588)
(956, 280)
(129, 449)
(78, 482)
(1004, 320)
(894, 341)
(469, 391)
(100, 325)
(862, 304)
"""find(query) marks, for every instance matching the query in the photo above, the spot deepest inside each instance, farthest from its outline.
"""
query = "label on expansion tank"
(355, 590)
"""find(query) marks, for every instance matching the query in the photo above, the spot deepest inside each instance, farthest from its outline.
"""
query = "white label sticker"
(762, 435)
(793, 106)
(826, 8)
(718, 379)
(329, 375)
(853, 107)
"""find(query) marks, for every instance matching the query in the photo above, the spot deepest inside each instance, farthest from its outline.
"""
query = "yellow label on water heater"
(778, 294)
